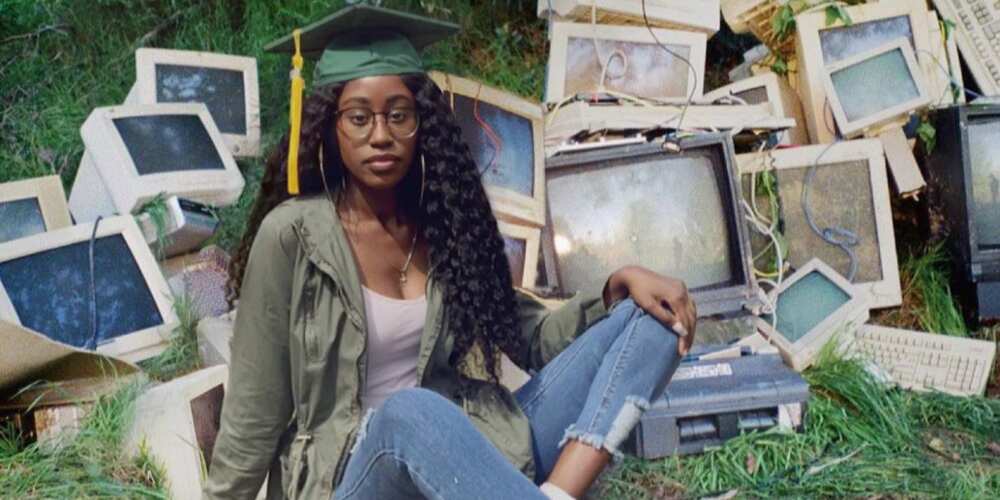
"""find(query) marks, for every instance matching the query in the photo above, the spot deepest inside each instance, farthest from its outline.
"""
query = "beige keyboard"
(925, 361)
(978, 36)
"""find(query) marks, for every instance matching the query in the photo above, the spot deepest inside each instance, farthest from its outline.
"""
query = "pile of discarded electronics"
(770, 197)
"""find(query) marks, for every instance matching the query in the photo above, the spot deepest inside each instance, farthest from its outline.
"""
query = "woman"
(374, 307)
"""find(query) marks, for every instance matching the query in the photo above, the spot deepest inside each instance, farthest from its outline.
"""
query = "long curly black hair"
(465, 246)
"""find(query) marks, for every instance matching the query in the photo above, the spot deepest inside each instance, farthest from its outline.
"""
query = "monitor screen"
(840, 196)
(516, 250)
(984, 143)
(756, 95)
(646, 70)
(635, 211)
(887, 71)
(806, 304)
(220, 89)
(206, 413)
(51, 292)
(509, 164)
(168, 143)
(842, 42)
(20, 218)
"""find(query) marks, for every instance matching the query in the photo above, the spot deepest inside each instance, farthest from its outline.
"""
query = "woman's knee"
(410, 406)
(649, 335)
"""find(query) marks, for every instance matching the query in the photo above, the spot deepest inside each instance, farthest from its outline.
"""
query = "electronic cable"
(842, 238)
(691, 69)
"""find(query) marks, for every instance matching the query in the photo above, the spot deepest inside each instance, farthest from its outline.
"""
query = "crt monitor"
(891, 68)
(227, 84)
(700, 15)
(964, 172)
(137, 152)
(771, 89)
(674, 213)
(32, 206)
(820, 43)
(504, 133)
(848, 190)
(46, 285)
(586, 58)
(521, 245)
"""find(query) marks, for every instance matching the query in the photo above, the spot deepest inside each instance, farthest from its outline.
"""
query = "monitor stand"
(905, 171)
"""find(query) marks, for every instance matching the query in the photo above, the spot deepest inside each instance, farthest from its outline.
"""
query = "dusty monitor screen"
(502, 144)
(984, 142)
(516, 250)
(168, 143)
(20, 218)
(221, 90)
(662, 212)
(640, 69)
(51, 292)
(843, 42)
(840, 196)
(887, 71)
(806, 304)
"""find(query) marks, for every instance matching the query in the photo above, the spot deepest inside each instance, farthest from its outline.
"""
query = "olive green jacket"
(293, 404)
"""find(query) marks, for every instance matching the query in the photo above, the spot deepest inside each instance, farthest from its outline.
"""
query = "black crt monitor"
(51, 292)
(675, 213)
(964, 180)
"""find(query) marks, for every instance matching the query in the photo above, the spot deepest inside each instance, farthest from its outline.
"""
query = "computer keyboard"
(978, 36)
(925, 361)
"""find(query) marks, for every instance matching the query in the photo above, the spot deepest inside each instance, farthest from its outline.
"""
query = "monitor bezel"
(802, 353)
(957, 120)
(886, 292)
(155, 426)
(532, 242)
(703, 15)
(783, 100)
(860, 126)
(48, 190)
(108, 155)
(809, 54)
(561, 32)
(132, 347)
(711, 301)
(146, 59)
(506, 201)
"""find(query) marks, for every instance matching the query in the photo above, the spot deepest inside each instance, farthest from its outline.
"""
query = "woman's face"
(376, 129)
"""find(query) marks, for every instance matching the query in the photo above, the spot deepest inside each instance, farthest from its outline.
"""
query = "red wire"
(494, 138)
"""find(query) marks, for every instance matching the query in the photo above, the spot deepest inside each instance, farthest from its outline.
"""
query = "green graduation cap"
(363, 40)
(354, 42)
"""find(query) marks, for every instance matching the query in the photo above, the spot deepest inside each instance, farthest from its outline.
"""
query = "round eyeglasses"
(358, 123)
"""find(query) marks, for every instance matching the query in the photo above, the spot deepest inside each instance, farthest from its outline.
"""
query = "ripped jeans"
(421, 445)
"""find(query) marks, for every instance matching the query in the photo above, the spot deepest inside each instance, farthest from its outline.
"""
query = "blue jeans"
(594, 391)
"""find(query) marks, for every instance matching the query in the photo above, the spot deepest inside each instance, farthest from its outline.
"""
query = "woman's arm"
(664, 298)
(258, 402)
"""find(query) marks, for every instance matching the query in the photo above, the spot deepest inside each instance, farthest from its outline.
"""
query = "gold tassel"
(295, 112)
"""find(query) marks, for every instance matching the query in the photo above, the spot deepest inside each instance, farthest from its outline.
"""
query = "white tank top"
(394, 330)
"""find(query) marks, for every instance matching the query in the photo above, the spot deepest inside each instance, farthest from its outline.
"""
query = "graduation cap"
(355, 42)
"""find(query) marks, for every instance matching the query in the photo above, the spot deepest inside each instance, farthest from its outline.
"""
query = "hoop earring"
(423, 180)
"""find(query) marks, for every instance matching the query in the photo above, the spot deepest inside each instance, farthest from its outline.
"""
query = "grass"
(928, 304)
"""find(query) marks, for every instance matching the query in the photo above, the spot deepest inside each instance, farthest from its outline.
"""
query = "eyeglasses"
(358, 123)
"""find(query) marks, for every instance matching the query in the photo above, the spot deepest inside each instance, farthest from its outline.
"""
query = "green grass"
(182, 356)
(88, 466)
(861, 440)
(928, 304)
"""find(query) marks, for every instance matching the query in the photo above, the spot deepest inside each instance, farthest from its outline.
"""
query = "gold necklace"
(413, 241)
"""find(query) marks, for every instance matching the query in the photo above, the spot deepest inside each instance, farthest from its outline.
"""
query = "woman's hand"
(666, 299)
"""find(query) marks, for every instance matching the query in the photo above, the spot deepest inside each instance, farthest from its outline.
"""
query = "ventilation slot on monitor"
(758, 420)
(696, 429)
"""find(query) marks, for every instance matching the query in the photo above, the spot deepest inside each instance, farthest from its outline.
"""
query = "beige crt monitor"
(872, 25)
(874, 88)
(508, 150)
(32, 206)
(45, 285)
(521, 244)
(849, 190)
(137, 152)
(772, 89)
(227, 84)
(177, 423)
(629, 60)
(697, 15)
(814, 306)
